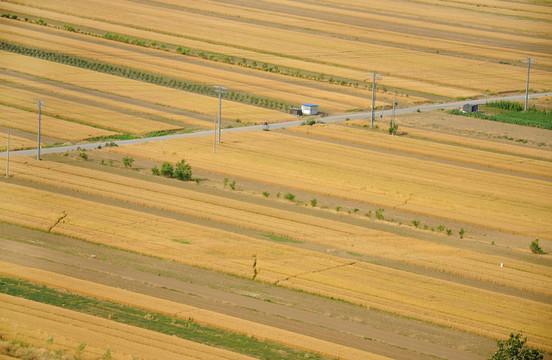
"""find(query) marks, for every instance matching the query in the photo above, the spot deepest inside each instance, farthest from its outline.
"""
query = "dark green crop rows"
(144, 76)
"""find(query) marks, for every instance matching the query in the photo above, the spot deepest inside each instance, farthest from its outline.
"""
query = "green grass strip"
(530, 118)
(281, 239)
(185, 329)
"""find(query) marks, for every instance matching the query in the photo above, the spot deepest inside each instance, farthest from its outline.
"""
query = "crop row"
(144, 76)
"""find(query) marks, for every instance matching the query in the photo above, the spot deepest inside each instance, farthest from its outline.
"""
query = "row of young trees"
(144, 76)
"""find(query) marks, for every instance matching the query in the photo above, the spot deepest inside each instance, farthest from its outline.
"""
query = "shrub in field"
(182, 171)
(225, 181)
(167, 169)
(379, 213)
(416, 223)
(83, 156)
(449, 231)
(232, 185)
(289, 196)
(393, 128)
(313, 202)
(515, 349)
(266, 194)
(535, 247)
(128, 161)
(461, 233)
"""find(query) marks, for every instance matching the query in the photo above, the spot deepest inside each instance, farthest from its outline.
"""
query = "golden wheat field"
(311, 241)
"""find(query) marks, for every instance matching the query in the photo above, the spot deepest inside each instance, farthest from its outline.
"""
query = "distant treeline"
(144, 76)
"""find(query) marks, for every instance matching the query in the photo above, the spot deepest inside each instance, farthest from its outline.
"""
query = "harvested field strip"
(284, 223)
(348, 59)
(359, 75)
(287, 266)
(138, 232)
(145, 59)
(452, 152)
(134, 74)
(182, 311)
(364, 32)
(436, 301)
(97, 98)
(160, 323)
(488, 145)
(455, 17)
(34, 323)
(471, 74)
(50, 126)
(498, 7)
(451, 192)
(137, 90)
(16, 142)
(80, 112)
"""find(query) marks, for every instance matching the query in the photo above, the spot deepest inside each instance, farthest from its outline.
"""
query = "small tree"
(182, 171)
(514, 349)
(393, 128)
(128, 161)
(155, 170)
(535, 247)
(166, 169)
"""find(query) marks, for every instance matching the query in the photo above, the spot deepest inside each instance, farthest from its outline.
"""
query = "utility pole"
(215, 138)
(527, 83)
(220, 90)
(40, 105)
(373, 98)
(393, 114)
(8, 162)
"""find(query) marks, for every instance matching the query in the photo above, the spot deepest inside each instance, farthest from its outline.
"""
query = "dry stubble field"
(334, 241)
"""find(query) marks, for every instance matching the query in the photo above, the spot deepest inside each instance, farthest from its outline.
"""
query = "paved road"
(279, 125)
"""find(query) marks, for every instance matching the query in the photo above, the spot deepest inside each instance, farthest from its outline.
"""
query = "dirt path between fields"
(303, 313)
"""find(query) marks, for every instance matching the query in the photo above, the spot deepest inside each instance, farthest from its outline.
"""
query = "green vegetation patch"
(185, 329)
(281, 239)
(511, 113)
(145, 76)
(181, 241)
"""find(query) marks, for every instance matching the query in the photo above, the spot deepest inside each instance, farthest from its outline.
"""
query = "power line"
(40, 105)
(374, 74)
(220, 90)
(527, 83)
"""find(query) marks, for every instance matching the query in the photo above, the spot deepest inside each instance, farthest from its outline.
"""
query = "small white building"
(309, 109)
